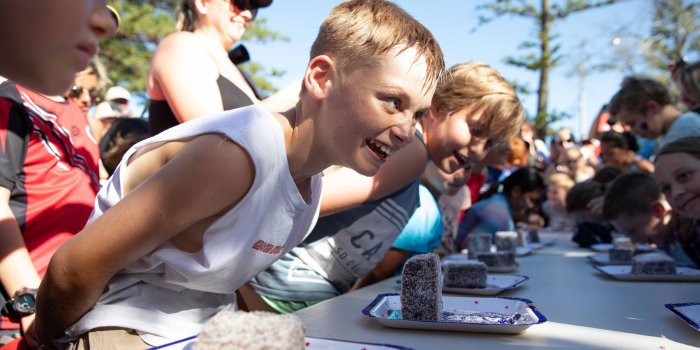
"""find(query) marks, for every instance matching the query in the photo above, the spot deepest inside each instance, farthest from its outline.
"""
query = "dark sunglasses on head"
(561, 142)
(77, 91)
(243, 5)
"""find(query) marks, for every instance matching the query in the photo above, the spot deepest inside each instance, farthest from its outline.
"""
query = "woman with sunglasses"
(192, 74)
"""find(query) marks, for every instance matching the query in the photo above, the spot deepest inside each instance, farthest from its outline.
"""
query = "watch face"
(24, 303)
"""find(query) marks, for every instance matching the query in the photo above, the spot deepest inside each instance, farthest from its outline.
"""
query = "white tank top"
(168, 294)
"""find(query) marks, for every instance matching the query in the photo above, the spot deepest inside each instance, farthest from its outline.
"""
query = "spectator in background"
(644, 106)
(45, 43)
(104, 116)
(687, 78)
(211, 83)
(537, 149)
(554, 208)
(119, 97)
(618, 150)
(122, 134)
(562, 141)
(88, 85)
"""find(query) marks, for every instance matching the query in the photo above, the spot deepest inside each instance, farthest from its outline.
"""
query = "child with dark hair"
(644, 105)
(635, 206)
(591, 227)
(124, 133)
(502, 205)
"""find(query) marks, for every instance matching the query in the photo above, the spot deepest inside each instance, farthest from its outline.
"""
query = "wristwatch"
(24, 301)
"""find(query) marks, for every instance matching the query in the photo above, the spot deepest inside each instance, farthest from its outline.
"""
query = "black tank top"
(161, 117)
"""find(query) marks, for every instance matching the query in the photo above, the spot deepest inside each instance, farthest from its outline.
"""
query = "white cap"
(105, 110)
(117, 92)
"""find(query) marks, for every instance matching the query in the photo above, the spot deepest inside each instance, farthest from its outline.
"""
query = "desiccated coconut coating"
(256, 330)
(421, 288)
(465, 274)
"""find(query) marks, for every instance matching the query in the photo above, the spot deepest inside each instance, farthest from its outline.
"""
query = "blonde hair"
(357, 31)
(561, 180)
(96, 68)
(482, 88)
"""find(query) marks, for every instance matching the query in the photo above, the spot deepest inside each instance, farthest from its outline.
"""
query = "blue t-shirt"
(489, 215)
(423, 231)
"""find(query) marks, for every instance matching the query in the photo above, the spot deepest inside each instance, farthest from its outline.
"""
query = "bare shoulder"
(210, 159)
(180, 47)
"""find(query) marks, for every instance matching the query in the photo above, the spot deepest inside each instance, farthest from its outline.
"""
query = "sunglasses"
(77, 91)
(243, 5)
(562, 142)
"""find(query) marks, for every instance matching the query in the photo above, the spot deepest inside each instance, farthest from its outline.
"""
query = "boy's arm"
(345, 189)
(206, 177)
(285, 98)
(391, 261)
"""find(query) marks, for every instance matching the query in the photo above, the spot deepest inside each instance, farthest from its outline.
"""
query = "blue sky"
(452, 23)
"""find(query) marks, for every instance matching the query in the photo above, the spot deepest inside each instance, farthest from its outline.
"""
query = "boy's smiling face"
(456, 141)
(375, 109)
(648, 125)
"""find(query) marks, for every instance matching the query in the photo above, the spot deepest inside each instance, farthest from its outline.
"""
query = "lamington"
(421, 288)
(256, 330)
(497, 259)
(506, 241)
(621, 255)
(465, 274)
(478, 243)
(653, 264)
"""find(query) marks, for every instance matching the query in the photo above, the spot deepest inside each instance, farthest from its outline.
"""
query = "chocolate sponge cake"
(421, 288)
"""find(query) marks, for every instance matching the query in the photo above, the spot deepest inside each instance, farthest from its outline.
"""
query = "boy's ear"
(318, 76)
(200, 6)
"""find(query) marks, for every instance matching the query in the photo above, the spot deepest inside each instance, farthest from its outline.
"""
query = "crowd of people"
(131, 233)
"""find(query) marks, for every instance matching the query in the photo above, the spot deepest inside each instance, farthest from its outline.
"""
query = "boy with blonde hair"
(196, 211)
(473, 108)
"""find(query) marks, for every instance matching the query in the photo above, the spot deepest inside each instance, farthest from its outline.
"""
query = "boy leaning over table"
(194, 212)
(635, 205)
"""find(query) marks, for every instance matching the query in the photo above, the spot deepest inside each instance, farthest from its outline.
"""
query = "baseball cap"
(117, 92)
(105, 110)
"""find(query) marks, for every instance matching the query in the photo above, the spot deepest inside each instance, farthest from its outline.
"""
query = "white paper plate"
(494, 269)
(604, 259)
(622, 272)
(544, 242)
(386, 309)
(688, 312)
(602, 247)
(495, 285)
(523, 251)
(311, 343)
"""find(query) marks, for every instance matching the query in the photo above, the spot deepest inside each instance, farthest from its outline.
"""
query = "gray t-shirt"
(687, 124)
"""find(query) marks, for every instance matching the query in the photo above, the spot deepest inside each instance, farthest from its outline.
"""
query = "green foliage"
(675, 32)
(127, 56)
(544, 54)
